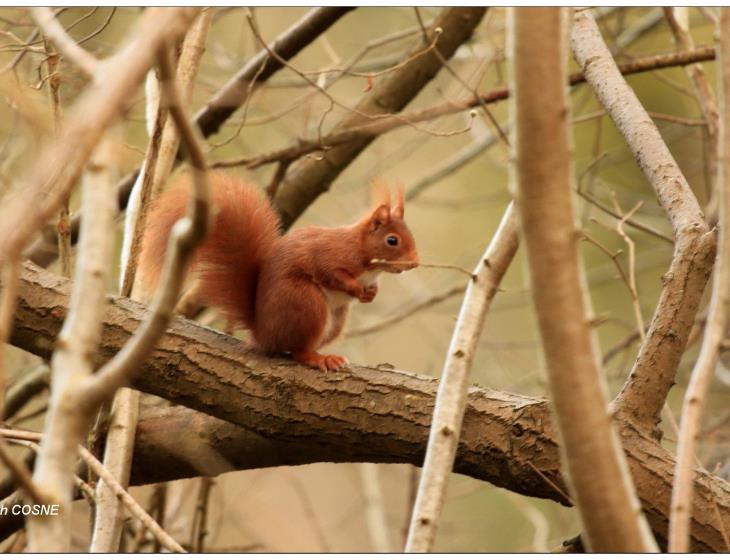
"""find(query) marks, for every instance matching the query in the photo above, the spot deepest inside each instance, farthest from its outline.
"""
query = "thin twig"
(131, 504)
(25, 388)
(10, 269)
(633, 223)
(199, 526)
(409, 311)
(717, 320)
(464, 271)
(22, 475)
(96, 466)
(381, 124)
(26, 208)
(452, 164)
(68, 47)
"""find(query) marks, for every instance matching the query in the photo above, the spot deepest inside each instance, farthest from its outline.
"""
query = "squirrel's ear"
(379, 217)
(381, 193)
(399, 207)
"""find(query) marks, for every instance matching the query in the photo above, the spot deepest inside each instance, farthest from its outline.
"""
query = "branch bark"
(652, 375)
(678, 19)
(448, 414)
(71, 365)
(256, 412)
(595, 463)
(717, 319)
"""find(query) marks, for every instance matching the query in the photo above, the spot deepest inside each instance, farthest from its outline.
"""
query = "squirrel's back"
(244, 229)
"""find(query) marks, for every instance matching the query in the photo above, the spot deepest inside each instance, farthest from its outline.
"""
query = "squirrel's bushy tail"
(244, 228)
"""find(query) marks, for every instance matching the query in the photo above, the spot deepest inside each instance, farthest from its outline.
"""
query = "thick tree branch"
(271, 411)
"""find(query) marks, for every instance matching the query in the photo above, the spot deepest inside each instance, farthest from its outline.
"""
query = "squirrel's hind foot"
(324, 362)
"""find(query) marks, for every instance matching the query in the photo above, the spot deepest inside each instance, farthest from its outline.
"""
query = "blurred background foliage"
(323, 506)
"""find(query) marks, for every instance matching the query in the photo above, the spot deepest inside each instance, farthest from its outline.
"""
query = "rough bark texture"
(308, 179)
(287, 414)
(653, 373)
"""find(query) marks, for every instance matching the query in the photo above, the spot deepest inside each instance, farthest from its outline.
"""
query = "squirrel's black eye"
(392, 240)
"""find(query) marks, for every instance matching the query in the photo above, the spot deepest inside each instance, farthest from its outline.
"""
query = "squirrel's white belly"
(338, 304)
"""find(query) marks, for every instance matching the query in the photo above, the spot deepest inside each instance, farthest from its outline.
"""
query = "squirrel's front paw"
(368, 293)
(324, 362)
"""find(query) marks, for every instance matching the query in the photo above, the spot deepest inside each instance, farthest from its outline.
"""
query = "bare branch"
(71, 364)
(448, 413)
(717, 319)
(130, 503)
(68, 47)
(453, 163)
(185, 236)
(235, 93)
(118, 454)
(187, 69)
(594, 460)
(308, 179)
(10, 270)
(25, 209)
(645, 392)
(96, 466)
(409, 310)
(21, 474)
(25, 388)
(382, 123)
(142, 191)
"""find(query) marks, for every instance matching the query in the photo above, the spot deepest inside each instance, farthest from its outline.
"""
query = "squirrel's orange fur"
(292, 291)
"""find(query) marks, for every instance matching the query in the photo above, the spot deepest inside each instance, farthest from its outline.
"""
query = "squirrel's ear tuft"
(379, 217)
(399, 207)
(381, 193)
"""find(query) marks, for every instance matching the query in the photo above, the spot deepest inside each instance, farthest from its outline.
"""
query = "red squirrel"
(292, 291)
